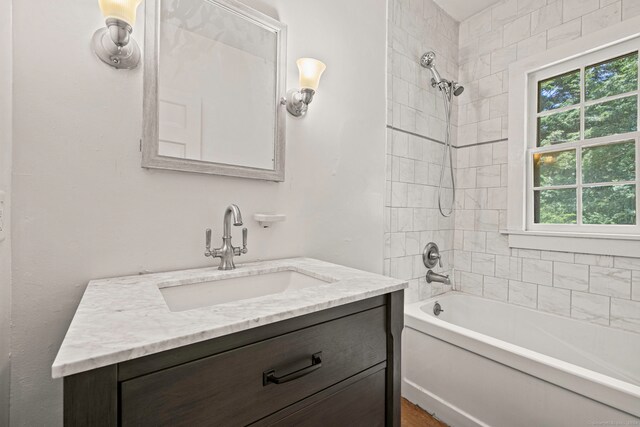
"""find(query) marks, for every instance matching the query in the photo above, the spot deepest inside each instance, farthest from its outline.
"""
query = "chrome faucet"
(226, 252)
(431, 257)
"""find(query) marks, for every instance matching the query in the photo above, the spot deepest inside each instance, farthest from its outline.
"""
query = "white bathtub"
(487, 363)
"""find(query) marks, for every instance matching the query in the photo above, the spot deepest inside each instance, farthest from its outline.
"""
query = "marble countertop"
(125, 318)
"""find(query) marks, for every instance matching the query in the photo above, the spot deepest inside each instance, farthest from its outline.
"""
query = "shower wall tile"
(593, 308)
(521, 293)
(625, 314)
(613, 282)
(598, 288)
(553, 300)
(416, 129)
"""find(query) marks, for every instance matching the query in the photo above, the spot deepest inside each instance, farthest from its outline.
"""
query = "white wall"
(601, 289)
(5, 185)
(416, 121)
(84, 208)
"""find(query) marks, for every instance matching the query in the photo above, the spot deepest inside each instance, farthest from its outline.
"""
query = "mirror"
(214, 79)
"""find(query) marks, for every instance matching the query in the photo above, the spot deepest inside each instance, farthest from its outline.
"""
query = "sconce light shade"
(113, 44)
(310, 72)
(124, 10)
(298, 100)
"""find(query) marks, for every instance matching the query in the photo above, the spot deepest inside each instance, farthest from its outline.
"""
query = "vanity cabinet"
(340, 366)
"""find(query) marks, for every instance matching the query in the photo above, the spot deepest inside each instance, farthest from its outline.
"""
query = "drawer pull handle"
(270, 375)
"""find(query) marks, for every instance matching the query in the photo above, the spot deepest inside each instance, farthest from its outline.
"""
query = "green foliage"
(609, 205)
(613, 77)
(609, 163)
(611, 117)
(557, 168)
(559, 91)
(555, 206)
(559, 127)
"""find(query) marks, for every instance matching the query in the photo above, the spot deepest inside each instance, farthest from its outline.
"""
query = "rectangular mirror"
(214, 77)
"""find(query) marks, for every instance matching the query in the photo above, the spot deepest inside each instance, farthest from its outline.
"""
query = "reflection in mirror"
(220, 78)
(213, 62)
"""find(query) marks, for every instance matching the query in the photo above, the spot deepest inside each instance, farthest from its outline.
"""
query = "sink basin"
(205, 294)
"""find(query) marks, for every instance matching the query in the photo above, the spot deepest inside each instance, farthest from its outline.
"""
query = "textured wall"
(84, 208)
(601, 289)
(5, 185)
(416, 126)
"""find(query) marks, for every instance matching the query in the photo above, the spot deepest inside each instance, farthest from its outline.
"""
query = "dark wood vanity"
(337, 367)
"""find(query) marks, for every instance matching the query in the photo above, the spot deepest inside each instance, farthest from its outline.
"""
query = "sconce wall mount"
(298, 101)
(113, 44)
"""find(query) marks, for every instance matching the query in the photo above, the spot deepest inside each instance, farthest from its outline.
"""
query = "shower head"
(428, 61)
(457, 88)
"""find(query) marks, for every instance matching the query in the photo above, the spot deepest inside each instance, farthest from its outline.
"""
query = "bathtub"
(488, 363)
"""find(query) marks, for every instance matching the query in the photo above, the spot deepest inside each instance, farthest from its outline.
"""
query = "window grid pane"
(613, 110)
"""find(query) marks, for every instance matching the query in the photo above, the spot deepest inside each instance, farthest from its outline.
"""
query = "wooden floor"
(414, 416)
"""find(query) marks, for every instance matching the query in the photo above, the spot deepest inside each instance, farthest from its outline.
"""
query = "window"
(582, 144)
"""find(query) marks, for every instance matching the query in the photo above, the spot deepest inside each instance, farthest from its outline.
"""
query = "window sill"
(585, 243)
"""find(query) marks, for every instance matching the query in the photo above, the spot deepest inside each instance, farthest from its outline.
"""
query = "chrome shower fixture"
(449, 89)
(428, 61)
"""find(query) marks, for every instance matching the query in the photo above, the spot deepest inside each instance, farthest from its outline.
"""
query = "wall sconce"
(113, 44)
(298, 100)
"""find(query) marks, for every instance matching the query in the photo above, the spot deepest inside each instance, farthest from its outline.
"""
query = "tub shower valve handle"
(431, 256)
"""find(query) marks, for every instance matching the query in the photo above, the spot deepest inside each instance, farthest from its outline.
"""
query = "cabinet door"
(359, 405)
(241, 386)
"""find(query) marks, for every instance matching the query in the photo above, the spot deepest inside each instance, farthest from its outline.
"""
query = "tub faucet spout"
(435, 277)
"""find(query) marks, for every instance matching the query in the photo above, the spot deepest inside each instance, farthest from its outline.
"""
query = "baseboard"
(438, 407)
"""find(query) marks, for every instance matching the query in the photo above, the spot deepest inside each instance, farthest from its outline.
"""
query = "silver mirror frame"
(151, 120)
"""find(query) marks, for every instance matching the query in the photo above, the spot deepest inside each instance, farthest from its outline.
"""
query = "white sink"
(205, 294)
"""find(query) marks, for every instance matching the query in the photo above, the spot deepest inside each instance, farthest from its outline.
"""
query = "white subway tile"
(532, 45)
(571, 276)
(625, 314)
(508, 267)
(553, 300)
(504, 12)
(498, 244)
(482, 263)
(486, 220)
(601, 18)
(546, 17)
(528, 6)
(402, 268)
(462, 260)
(613, 282)
(495, 288)
(501, 58)
(490, 130)
(537, 271)
(475, 198)
(575, 8)
(628, 263)
(558, 256)
(561, 34)
(635, 286)
(593, 308)
(488, 176)
(480, 155)
(475, 241)
(471, 283)
(521, 293)
(517, 30)
(595, 260)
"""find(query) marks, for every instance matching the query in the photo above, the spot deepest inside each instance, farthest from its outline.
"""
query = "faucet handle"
(245, 234)
(437, 256)
(207, 235)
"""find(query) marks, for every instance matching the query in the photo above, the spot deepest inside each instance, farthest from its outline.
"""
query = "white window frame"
(524, 76)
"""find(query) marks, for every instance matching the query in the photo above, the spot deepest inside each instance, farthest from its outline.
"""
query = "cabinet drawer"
(230, 389)
(361, 404)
